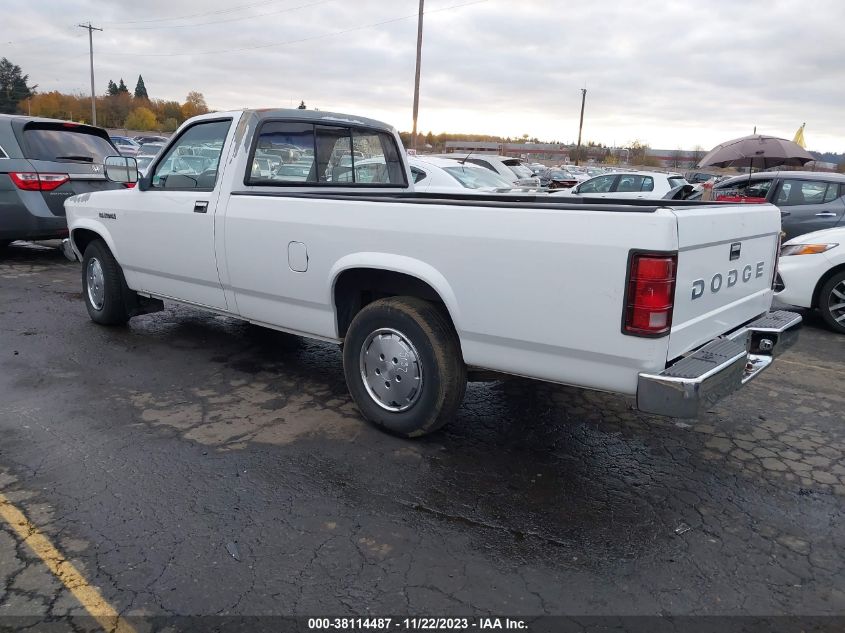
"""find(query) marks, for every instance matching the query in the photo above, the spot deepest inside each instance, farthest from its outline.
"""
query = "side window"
(797, 192)
(284, 153)
(597, 185)
(418, 174)
(648, 184)
(832, 192)
(629, 183)
(2, 153)
(193, 160)
(376, 159)
(334, 154)
(754, 189)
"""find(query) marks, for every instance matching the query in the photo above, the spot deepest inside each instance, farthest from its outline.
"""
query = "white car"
(651, 185)
(812, 275)
(433, 174)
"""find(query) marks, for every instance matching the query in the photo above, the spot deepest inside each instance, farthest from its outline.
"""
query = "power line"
(296, 41)
(197, 15)
(242, 17)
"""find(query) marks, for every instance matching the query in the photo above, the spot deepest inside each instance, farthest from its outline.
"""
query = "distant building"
(675, 158)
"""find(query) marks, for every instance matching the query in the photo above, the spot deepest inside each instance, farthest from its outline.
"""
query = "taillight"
(32, 181)
(650, 295)
(130, 185)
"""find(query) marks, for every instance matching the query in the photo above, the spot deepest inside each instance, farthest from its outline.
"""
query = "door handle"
(201, 206)
(826, 214)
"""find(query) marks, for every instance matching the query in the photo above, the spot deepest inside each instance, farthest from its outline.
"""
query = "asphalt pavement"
(192, 464)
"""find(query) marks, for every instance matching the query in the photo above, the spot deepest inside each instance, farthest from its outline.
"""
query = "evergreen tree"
(112, 89)
(13, 87)
(301, 105)
(121, 87)
(141, 89)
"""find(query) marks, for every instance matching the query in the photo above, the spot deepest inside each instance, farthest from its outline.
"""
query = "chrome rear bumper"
(722, 366)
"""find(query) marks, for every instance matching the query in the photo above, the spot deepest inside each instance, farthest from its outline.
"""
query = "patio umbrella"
(758, 151)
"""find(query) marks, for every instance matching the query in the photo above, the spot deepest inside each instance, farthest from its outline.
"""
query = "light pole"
(580, 126)
(91, 30)
(417, 76)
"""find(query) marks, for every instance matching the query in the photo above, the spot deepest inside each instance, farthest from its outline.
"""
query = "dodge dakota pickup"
(308, 222)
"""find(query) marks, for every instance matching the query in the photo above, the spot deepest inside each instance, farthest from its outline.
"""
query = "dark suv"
(43, 162)
(808, 200)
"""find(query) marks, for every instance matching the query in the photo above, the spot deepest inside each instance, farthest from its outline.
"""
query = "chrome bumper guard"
(698, 381)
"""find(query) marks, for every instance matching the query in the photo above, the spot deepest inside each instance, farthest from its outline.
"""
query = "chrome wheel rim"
(391, 370)
(96, 283)
(836, 303)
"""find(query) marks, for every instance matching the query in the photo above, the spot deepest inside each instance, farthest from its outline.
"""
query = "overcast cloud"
(670, 73)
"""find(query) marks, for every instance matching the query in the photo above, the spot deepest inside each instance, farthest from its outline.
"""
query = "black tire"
(113, 310)
(436, 346)
(829, 295)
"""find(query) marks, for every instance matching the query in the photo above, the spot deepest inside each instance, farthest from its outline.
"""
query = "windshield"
(676, 181)
(473, 177)
(52, 141)
(519, 169)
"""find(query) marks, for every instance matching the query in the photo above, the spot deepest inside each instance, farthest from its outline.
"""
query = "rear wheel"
(832, 302)
(103, 285)
(403, 366)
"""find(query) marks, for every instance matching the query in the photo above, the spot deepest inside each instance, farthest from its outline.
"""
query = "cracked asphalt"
(190, 464)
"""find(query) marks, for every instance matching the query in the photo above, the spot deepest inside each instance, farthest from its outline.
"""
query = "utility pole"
(417, 76)
(91, 30)
(580, 126)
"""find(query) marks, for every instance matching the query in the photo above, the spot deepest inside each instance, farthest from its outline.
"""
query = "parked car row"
(511, 169)
(43, 162)
(132, 146)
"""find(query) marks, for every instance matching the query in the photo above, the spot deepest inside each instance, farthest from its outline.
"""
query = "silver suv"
(43, 162)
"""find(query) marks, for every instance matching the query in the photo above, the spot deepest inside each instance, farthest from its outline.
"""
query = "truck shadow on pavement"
(525, 465)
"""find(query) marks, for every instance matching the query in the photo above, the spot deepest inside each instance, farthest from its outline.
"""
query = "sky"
(672, 74)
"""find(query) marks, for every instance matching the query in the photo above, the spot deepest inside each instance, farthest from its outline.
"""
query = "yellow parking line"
(68, 575)
(828, 370)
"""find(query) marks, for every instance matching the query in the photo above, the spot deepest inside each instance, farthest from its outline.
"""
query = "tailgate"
(726, 261)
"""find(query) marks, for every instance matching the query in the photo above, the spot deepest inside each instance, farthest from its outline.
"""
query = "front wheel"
(103, 286)
(832, 302)
(403, 366)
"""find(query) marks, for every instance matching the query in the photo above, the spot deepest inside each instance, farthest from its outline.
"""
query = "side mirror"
(122, 169)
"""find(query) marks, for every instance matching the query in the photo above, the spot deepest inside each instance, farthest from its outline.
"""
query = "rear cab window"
(61, 142)
(287, 153)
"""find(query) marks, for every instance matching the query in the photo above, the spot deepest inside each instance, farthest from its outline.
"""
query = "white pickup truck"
(274, 217)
